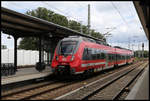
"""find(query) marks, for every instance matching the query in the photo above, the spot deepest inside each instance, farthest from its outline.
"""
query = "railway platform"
(140, 91)
(25, 74)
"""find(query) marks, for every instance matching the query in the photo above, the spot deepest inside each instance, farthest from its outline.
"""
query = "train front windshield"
(67, 47)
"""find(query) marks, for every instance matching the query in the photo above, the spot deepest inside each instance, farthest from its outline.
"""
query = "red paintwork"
(76, 63)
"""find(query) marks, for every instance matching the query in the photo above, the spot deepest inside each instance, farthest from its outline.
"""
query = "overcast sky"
(121, 15)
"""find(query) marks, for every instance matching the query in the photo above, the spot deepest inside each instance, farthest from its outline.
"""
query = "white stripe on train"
(92, 64)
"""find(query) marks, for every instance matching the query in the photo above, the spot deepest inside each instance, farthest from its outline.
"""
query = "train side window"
(95, 54)
(89, 55)
(109, 57)
(118, 56)
(98, 54)
(113, 57)
(102, 55)
(92, 54)
(85, 53)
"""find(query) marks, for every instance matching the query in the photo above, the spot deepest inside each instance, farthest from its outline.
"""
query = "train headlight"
(72, 58)
(57, 58)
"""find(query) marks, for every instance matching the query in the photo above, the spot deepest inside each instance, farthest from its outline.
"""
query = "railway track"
(90, 91)
(34, 91)
(51, 90)
(112, 92)
(20, 90)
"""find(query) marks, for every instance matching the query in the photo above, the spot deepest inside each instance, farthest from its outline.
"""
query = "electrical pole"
(88, 19)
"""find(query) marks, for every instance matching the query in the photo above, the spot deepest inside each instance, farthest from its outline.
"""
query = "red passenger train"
(76, 54)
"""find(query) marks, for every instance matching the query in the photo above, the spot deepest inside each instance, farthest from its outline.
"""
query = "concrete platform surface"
(140, 91)
(25, 74)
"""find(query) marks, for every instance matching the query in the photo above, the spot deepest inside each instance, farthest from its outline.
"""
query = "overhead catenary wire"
(121, 18)
(120, 14)
(64, 13)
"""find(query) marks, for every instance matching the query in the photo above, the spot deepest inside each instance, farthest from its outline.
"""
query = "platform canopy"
(142, 9)
(21, 25)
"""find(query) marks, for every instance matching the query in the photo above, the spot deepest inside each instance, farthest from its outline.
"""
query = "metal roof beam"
(5, 24)
(23, 22)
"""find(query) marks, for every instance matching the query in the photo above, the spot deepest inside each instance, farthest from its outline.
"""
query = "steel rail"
(122, 90)
(74, 91)
(48, 90)
(107, 84)
(24, 90)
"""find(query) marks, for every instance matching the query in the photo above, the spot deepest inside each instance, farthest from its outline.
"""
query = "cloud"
(103, 15)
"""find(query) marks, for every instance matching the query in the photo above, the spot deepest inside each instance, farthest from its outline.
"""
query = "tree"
(45, 14)
(138, 53)
(3, 47)
(30, 43)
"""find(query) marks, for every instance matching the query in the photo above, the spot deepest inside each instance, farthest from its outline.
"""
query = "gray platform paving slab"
(141, 89)
(25, 74)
